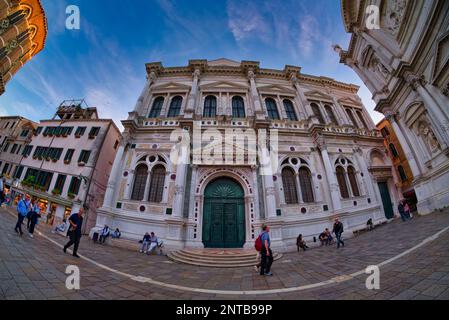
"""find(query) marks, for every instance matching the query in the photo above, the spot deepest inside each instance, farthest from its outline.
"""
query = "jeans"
(18, 227)
(145, 246)
(103, 238)
(32, 225)
(266, 262)
(153, 246)
(74, 239)
(338, 236)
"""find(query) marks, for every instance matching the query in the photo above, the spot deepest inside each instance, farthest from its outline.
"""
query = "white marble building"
(330, 158)
(403, 60)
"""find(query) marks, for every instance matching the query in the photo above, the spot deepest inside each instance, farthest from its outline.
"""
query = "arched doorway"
(224, 214)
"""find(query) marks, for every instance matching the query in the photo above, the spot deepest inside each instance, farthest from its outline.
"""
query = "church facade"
(402, 57)
(215, 149)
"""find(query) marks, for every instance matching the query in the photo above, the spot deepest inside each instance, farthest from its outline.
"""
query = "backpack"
(258, 243)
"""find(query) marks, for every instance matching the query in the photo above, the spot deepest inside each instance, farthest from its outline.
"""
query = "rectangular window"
(14, 148)
(59, 185)
(116, 145)
(80, 131)
(18, 172)
(5, 149)
(38, 131)
(94, 132)
(24, 133)
(27, 151)
(5, 168)
(18, 150)
(68, 156)
(84, 156)
(74, 185)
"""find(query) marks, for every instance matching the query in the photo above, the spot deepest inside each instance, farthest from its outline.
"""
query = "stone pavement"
(35, 269)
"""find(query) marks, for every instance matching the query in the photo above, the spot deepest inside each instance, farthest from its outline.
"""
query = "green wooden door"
(386, 199)
(224, 215)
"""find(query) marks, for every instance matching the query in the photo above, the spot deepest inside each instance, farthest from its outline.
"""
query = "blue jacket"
(23, 207)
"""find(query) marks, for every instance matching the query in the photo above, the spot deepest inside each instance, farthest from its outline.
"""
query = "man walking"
(76, 222)
(338, 230)
(23, 207)
(2, 191)
(267, 254)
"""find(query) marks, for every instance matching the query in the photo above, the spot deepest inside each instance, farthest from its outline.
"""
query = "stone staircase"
(217, 258)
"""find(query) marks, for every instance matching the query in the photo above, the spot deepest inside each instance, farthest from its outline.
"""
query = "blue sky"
(103, 62)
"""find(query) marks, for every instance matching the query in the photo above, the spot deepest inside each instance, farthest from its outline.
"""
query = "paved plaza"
(414, 258)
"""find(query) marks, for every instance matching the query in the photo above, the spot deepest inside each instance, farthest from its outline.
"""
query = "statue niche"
(425, 132)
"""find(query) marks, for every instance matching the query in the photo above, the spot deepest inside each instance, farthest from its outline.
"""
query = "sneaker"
(141, 251)
(31, 236)
(269, 274)
(256, 268)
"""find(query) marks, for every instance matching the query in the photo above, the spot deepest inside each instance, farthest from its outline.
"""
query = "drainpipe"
(91, 177)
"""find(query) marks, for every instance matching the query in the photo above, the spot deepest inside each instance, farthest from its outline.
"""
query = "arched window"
(351, 116)
(238, 107)
(393, 150)
(342, 182)
(353, 181)
(210, 107)
(330, 114)
(140, 181)
(288, 181)
(362, 119)
(175, 107)
(385, 132)
(305, 183)
(272, 110)
(157, 184)
(157, 107)
(402, 173)
(290, 110)
(317, 113)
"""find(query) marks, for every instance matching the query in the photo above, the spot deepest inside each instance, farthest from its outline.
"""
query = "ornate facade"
(23, 29)
(404, 63)
(181, 173)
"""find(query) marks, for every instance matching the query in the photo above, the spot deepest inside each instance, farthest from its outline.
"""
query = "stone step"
(204, 260)
(250, 255)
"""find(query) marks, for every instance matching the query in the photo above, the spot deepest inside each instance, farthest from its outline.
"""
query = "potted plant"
(77, 136)
(43, 188)
(39, 157)
(54, 160)
(56, 192)
(81, 164)
(91, 136)
(71, 195)
(47, 158)
(66, 161)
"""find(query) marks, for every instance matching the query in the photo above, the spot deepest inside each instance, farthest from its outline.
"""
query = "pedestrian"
(23, 207)
(153, 243)
(104, 234)
(407, 211)
(301, 243)
(35, 215)
(369, 224)
(2, 191)
(267, 254)
(145, 243)
(76, 222)
(401, 210)
(338, 230)
(30, 213)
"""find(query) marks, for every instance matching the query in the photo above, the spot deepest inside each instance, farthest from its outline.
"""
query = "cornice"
(159, 70)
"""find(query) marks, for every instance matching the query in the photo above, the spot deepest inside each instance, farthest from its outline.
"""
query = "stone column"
(302, 98)
(145, 96)
(366, 174)
(259, 112)
(114, 177)
(405, 146)
(181, 172)
(342, 118)
(270, 197)
(146, 193)
(190, 110)
(433, 109)
(331, 178)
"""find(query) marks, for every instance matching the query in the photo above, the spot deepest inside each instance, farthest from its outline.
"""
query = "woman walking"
(35, 215)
